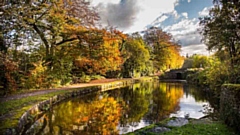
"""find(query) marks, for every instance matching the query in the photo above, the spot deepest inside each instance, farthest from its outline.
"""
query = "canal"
(123, 110)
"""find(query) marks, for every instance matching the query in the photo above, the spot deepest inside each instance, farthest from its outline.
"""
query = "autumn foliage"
(101, 57)
(59, 42)
(101, 116)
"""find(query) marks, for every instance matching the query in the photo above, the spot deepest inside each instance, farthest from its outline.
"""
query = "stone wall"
(230, 105)
(36, 112)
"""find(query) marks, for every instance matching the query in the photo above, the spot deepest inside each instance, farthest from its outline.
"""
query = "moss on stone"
(232, 86)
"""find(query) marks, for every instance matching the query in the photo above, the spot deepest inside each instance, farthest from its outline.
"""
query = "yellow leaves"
(165, 50)
(29, 20)
(167, 97)
(174, 93)
(71, 29)
(39, 68)
(37, 77)
(61, 21)
(101, 53)
(102, 116)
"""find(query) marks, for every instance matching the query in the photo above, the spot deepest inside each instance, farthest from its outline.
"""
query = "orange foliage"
(100, 116)
(9, 68)
(101, 54)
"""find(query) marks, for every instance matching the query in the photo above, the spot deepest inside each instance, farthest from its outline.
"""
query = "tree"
(201, 61)
(163, 49)
(58, 28)
(56, 23)
(8, 70)
(138, 56)
(101, 57)
(221, 29)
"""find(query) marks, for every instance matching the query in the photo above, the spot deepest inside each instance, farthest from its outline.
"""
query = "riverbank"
(13, 106)
(183, 126)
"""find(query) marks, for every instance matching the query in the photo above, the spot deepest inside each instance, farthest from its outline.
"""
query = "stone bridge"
(174, 74)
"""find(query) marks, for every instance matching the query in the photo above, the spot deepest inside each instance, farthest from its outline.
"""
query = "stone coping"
(35, 112)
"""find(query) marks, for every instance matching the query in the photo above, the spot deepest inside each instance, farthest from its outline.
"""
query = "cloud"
(195, 49)
(185, 31)
(166, 19)
(189, 39)
(185, 14)
(178, 17)
(176, 3)
(158, 21)
(162, 18)
(148, 10)
(183, 23)
(204, 12)
(121, 15)
(192, 7)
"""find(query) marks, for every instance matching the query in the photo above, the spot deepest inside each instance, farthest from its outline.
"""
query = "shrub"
(213, 76)
(97, 77)
(229, 105)
(217, 75)
(85, 79)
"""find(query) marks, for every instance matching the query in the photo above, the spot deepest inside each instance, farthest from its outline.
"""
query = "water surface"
(123, 110)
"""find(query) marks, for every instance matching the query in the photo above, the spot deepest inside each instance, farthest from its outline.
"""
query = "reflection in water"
(122, 110)
(190, 108)
(83, 116)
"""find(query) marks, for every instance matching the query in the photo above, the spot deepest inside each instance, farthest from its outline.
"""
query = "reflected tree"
(165, 101)
(99, 116)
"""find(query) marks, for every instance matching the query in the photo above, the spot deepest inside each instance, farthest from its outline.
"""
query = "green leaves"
(201, 61)
(220, 29)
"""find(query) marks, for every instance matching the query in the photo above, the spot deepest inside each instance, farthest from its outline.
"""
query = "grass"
(212, 128)
(14, 109)
(11, 105)
(215, 128)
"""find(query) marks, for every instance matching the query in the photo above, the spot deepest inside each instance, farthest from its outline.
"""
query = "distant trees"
(201, 61)
(153, 52)
(165, 52)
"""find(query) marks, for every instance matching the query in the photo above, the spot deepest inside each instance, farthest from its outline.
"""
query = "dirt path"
(46, 91)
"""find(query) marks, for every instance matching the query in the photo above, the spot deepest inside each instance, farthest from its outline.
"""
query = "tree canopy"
(48, 43)
(221, 28)
(165, 51)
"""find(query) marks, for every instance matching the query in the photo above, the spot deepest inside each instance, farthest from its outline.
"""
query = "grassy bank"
(12, 110)
(195, 127)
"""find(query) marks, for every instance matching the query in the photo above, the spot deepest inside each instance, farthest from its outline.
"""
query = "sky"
(178, 17)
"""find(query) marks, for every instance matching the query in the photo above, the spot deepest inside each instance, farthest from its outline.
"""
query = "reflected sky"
(130, 128)
(189, 106)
